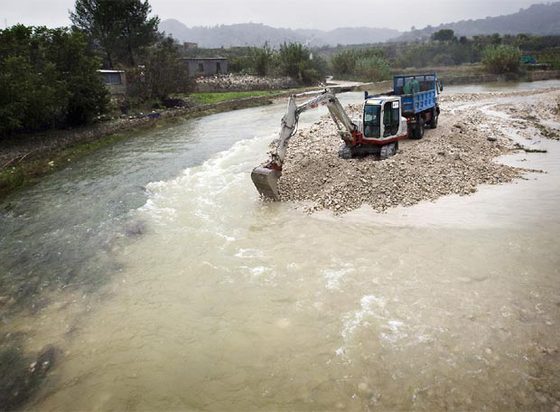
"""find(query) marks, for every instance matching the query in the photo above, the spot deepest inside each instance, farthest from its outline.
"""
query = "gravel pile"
(231, 82)
(453, 159)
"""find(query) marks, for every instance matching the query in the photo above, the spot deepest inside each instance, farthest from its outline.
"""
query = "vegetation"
(47, 79)
(502, 59)
(262, 60)
(444, 35)
(365, 64)
(216, 97)
(379, 60)
(160, 75)
(121, 28)
(445, 49)
(296, 61)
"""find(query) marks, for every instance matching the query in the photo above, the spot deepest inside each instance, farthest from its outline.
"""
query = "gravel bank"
(453, 159)
(243, 82)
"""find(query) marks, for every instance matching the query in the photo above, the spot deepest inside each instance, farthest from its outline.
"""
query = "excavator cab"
(382, 119)
(372, 121)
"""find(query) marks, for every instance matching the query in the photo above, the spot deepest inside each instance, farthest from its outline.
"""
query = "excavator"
(386, 119)
(360, 137)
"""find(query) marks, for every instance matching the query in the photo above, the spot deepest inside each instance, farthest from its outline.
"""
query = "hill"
(251, 34)
(541, 19)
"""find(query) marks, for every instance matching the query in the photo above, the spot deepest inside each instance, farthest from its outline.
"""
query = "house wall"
(210, 67)
(115, 82)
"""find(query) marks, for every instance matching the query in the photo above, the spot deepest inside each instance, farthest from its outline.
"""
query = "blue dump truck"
(419, 98)
(417, 102)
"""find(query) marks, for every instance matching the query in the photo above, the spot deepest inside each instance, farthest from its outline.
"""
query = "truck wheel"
(418, 131)
(433, 122)
(345, 151)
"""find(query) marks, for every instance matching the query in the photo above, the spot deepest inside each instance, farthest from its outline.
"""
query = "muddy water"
(212, 300)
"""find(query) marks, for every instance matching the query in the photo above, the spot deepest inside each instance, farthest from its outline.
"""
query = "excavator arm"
(265, 177)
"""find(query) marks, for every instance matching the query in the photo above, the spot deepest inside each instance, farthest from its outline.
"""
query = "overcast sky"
(313, 14)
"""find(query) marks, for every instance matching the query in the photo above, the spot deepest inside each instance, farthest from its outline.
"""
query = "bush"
(365, 64)
(372, 69)
(501, 59)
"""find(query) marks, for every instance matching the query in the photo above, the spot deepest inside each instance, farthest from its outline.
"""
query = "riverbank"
(25, 159)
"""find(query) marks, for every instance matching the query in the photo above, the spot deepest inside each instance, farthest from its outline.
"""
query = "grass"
(31, 170)
(217, 97)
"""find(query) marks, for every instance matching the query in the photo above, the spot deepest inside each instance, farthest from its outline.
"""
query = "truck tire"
(433, 122)
(418, 131)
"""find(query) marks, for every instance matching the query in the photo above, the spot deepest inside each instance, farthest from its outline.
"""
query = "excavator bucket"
(266, 182)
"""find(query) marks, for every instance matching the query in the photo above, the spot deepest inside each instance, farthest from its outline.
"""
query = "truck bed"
(418, 102)
(425, 98)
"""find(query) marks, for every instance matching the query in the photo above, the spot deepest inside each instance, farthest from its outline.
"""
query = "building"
(114, 81)
(206, 66)
(189, 45)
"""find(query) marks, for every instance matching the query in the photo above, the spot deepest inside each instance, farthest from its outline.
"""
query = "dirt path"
(453, 159)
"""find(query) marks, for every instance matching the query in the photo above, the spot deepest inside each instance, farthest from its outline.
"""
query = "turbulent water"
(167, 284)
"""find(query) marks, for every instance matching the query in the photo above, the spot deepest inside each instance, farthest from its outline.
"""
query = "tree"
(261, 59)
(444, 35)
(47, 79)
(120, 27)
(161, 73)
(296, 61)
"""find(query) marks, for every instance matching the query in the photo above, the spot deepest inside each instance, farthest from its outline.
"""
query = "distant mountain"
(251, 34)
(542, 19)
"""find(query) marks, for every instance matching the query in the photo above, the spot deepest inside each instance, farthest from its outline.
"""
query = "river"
(167, 284)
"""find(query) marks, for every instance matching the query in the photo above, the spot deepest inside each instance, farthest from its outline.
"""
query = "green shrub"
(501, 59)
(372, 69)
(361, 64)
(344, 64)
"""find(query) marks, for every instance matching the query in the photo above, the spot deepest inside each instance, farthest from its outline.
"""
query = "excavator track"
(388, 150)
